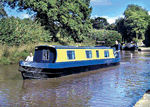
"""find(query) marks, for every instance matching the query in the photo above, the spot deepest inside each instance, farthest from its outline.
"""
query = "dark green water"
(117, 86)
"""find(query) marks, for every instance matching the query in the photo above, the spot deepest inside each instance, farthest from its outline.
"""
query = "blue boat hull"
(51, 73)
(35, 70)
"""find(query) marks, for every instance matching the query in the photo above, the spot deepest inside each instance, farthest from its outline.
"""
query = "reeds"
(13, 54)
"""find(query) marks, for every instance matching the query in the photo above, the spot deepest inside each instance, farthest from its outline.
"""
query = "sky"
(109, 9)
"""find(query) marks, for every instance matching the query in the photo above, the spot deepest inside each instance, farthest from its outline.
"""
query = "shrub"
(109, 36)
(136, 40)
(15, 31)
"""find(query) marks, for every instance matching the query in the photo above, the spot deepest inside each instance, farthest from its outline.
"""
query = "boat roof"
(72, 47)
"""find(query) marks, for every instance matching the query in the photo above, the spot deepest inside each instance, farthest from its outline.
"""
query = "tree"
(121, 28)
(135, 20)
(99, 23)
(70, 17)
(111, 27)
(14, 31)
(147, 33)
(109, 36)
(2, 11)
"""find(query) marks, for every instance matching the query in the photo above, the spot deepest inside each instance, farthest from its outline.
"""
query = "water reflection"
(55, 93)
(117, 86)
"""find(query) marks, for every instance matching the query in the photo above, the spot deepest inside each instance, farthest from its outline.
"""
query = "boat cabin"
(53, 54)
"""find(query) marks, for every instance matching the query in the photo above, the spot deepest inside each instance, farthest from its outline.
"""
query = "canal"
(118, 86)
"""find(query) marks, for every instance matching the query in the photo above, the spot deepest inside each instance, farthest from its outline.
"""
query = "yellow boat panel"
(80, 54)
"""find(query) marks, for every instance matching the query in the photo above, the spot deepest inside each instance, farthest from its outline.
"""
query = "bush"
(109, 36)
(15, 31)
(136, 40)
(4, 61)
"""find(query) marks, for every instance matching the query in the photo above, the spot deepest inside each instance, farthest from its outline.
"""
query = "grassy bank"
(13, 54)
(144, 47)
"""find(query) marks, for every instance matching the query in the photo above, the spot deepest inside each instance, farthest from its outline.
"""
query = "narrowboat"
(130, 46)
(55, 61)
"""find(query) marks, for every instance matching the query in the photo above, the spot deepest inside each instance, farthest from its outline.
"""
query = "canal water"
(118, 86)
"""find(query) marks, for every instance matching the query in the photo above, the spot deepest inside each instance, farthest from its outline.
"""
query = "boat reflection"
(54, 93)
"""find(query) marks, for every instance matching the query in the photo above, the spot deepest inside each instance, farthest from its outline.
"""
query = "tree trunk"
(143, 36)
(137, 35)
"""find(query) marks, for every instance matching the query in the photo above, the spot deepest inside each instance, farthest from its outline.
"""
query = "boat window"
(45, 54)
(70, 54)
(97, 53)
(106, 53)
(88, 54)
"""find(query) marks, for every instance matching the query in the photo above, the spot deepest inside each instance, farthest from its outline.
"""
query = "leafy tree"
(147, 33)
(120, 25)
(111, 27)
(99, 23)
(135, 17)
(70, 17)
(2, 11)
(121, 28)
(109, 36)
(14, 31)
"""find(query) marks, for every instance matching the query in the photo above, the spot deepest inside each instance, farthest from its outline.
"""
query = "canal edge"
(144, 101)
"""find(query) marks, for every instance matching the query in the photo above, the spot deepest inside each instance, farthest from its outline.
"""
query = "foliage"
(99, 23)
(135, 24)
(2, 11)
(136, 40)
(14, 31)
(13, 54)
(111, 27)
(72, 17)
(135, 17)
(121, 28)
(109, 36)
(147, 33)
(147, 36)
